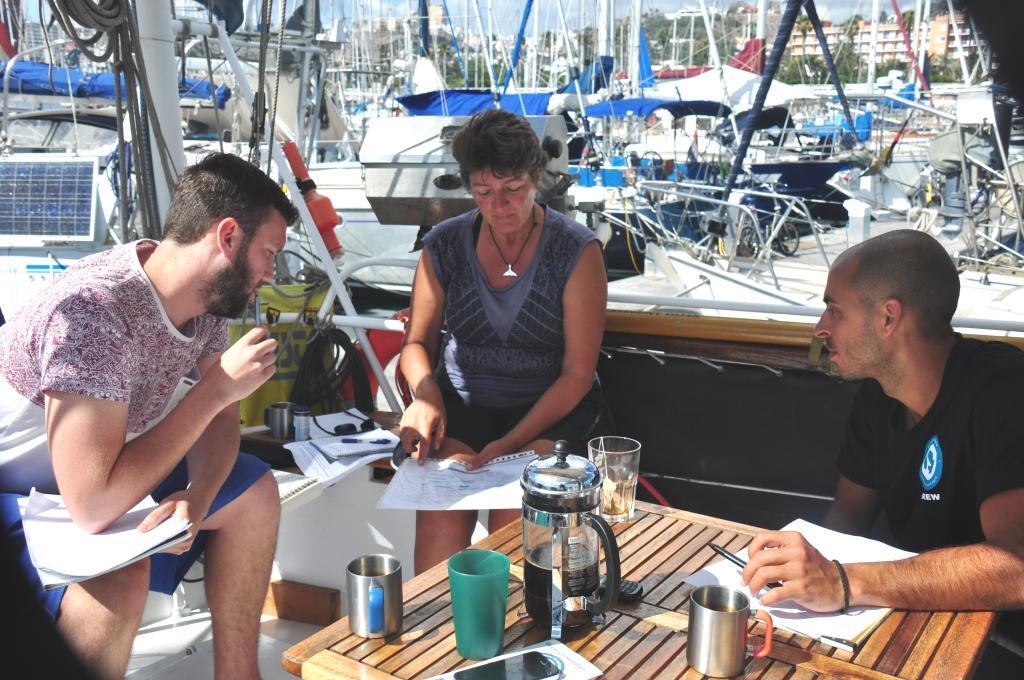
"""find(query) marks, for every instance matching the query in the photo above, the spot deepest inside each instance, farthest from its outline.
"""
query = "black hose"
(330, 357)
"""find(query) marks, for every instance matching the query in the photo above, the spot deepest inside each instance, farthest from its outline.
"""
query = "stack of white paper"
(328, 470)
(63, 553)
(791, 616)
(328, 459)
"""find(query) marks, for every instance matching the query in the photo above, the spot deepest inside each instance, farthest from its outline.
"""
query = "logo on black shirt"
(931, 468)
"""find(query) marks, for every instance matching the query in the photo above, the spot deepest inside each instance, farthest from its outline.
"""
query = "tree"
(804, 27)
(908, 19)
(893, 65)
(945, 70)
(791, 70)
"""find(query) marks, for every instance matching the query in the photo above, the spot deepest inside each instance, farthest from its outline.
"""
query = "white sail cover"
(726, 83)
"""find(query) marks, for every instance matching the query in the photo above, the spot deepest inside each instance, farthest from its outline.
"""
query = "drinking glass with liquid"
(618, 459)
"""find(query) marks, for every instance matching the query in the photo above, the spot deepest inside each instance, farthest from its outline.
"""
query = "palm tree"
(804, 26)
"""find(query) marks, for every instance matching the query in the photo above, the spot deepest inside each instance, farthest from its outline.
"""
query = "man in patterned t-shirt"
(95, 403)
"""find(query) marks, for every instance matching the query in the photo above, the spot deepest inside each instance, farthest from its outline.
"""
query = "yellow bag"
(289, 351)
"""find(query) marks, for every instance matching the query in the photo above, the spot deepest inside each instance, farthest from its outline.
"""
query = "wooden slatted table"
(646, 639)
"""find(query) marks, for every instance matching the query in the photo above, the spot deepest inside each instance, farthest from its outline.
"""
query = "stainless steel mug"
(279, 417)
(374, 584)
(717, 636)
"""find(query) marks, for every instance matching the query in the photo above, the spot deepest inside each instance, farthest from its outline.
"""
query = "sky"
(508, 12)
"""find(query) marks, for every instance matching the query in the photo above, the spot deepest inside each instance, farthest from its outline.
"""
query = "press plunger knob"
(561, 451)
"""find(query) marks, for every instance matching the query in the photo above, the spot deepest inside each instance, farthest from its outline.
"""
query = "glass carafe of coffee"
(561, 541)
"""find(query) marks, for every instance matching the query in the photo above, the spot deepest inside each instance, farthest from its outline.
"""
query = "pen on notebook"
(320, 450)
(737, 561)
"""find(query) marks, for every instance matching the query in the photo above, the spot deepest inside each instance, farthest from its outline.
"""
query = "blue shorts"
(166, 570)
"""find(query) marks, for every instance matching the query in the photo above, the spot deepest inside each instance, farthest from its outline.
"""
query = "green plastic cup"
(479, 584)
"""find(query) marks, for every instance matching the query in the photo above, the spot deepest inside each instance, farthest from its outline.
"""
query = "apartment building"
(939, 36)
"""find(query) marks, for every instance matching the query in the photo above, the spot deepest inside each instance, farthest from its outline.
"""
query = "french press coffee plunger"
(561, 541)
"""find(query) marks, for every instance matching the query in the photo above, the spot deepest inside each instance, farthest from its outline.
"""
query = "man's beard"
(866, 357)
(228, 294)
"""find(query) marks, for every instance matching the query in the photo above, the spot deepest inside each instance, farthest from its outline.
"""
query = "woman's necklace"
(510, 273)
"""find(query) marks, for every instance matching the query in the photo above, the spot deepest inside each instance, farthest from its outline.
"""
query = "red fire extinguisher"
(320, 207)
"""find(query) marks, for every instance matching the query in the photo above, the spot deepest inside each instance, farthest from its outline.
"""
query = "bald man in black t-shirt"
(935, 438)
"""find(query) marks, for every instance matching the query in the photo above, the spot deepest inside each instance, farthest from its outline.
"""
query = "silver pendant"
(510, 274)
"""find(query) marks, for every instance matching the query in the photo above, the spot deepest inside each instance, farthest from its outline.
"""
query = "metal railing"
(7, 86)
(786, 207)
(650, 301)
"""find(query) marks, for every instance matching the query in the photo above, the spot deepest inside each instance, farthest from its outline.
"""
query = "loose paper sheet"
(574, 666)
(444, 484)
(327, 459)
(791, 616)
(63, 552)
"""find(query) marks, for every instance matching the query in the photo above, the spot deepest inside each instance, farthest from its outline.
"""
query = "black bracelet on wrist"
(846, 584)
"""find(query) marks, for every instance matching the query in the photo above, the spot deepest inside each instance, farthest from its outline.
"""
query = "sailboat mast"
(604, 28)
(918, 34)
(959, 44)
(709, 28)
(762, 33)
(634, 46)
(535, 50)
(873, 48)
(157, 43)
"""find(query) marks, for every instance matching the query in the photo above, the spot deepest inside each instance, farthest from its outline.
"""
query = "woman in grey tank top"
(521, 291)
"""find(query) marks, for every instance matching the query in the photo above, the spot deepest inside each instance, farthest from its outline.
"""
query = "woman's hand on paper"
(808, 578)
(180, 505)
(499, 447)
(422, 429)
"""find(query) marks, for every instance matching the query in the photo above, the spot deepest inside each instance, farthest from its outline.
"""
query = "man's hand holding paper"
(807, 577)
(179, 505)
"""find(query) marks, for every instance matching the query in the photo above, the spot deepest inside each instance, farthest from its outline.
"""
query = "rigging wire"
(213, 92)
(277, 85)
(67, 73)
(209, 74)
(106, 30)
(258, 103)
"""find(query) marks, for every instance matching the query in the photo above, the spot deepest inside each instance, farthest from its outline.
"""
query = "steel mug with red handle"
(717, 635)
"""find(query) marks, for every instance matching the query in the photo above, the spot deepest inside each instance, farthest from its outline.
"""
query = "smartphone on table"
(529, 666)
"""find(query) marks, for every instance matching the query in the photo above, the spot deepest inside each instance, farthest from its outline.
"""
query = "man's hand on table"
(807, 577)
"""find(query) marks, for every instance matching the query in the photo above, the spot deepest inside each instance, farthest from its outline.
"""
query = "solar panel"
(46, 198)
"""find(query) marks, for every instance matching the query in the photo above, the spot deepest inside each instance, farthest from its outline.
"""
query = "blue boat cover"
(518, 47)
(644, 62)
(595, 76)
(908, 92)
(468, 102)
(643, 106)
(31, 77)
(838, 127)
